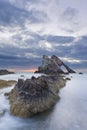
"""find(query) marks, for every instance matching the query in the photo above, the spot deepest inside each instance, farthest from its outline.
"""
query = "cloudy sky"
(31, 28)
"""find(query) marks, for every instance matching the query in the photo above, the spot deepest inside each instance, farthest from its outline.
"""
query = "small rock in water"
(22, 76)
(6, 94)
(80, 73)
(68, 78)
(33, 77)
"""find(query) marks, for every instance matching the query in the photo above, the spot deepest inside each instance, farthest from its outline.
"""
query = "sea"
(69, 113)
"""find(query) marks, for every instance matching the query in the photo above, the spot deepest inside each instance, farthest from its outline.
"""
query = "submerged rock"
(67, 78)
(22, 76)
(53, 65)
(2, 112)
(80, 73)
(34, 95)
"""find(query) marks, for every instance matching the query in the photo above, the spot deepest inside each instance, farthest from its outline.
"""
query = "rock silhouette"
(53, 65)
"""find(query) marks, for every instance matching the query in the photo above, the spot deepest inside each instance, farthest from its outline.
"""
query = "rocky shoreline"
(5, 72)
(35, 95)
(7, 83)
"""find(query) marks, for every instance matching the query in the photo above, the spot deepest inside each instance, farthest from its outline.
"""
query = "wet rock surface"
(34, 95)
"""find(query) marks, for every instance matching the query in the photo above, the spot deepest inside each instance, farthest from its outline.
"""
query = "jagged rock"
(35, 95)
(4, 72)
(53, 66)
(68, 69)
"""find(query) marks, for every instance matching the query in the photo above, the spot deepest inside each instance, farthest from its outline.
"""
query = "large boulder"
(53, 65)
(35, 95)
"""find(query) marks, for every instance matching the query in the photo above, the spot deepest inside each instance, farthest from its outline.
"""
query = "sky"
(32, 28)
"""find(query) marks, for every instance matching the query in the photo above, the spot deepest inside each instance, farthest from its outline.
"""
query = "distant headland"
(5, 72)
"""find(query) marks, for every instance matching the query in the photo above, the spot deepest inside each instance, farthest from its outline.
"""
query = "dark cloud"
(4, 57)
(18, 62)
(15, 56)
(79, 50)
(10, 14)
(60, 39)
(24, 48)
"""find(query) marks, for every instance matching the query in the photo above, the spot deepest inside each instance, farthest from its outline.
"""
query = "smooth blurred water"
(19, 75)
(70, 113)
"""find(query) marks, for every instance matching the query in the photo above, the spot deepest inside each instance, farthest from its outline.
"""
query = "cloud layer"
(29, 29)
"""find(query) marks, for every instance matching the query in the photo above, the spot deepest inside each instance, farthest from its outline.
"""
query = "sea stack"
(53, 65)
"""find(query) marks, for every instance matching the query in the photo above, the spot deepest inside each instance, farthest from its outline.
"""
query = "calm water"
(70, 113)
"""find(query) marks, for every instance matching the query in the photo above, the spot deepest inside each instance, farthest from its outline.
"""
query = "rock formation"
(34, 95)
(53, 65)
(4, 72)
